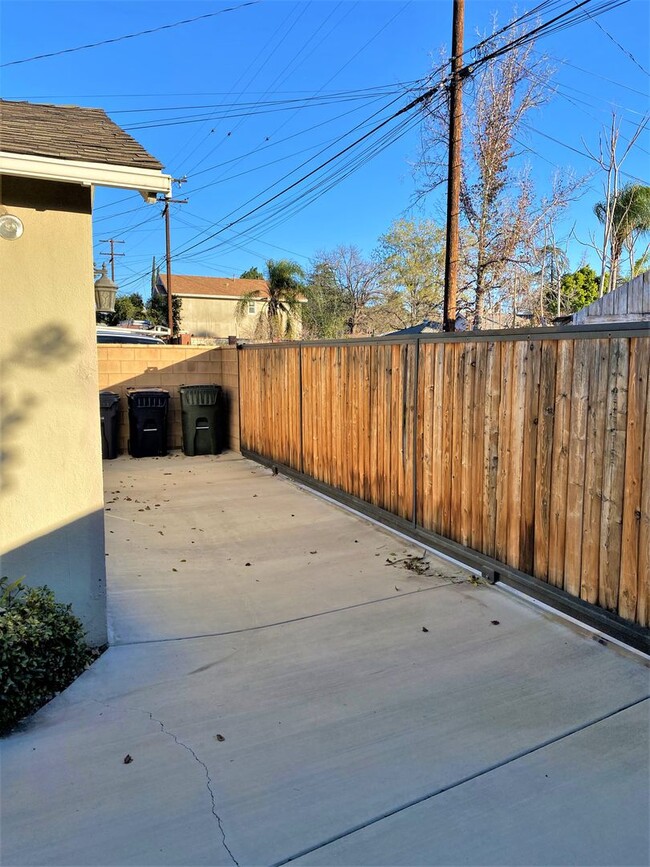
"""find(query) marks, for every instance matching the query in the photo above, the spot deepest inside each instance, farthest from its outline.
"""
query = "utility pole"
(112, 254)
(454, 167)
(168, 256)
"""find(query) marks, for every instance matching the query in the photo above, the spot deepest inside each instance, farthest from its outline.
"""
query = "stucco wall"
(168, 367)
(51, 499)
(215, 317)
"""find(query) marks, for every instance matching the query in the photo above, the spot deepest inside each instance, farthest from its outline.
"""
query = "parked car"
(109, 334)
(159, 329)
(139, 324)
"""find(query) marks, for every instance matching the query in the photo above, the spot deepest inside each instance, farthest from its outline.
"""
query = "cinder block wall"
(122, 366)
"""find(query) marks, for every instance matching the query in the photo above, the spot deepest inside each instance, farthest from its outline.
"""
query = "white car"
(162, 330)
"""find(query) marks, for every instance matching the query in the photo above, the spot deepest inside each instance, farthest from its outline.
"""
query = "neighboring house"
(210, 305)
(51, 494)
(629, 302)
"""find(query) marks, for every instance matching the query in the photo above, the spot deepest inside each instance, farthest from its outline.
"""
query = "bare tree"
(357, 279)
(614, 212)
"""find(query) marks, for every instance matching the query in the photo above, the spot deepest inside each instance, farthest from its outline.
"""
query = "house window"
(251, 307)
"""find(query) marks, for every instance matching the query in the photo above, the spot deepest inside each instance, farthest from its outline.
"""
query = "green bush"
(42, 649)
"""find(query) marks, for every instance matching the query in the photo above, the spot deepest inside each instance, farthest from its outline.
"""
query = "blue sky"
(350, 59)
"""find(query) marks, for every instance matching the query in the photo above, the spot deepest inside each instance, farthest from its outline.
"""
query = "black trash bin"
(200, 418)
(147, 421)
(109, 414)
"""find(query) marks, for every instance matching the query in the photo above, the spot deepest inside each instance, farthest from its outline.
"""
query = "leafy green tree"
(281, 300)
(629, 218)
(326, 310)
(127, 307)
(578, 289)
(157, 310)
(252, 274)
(411, 261)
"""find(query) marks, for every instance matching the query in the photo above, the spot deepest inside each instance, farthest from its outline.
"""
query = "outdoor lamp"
(11, 227)
(105, 291)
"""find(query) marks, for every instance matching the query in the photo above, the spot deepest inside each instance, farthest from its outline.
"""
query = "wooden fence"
(533, 450)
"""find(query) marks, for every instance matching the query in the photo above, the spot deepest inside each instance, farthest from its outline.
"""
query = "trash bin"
(200, 419)
(147, 421)
(109, 414)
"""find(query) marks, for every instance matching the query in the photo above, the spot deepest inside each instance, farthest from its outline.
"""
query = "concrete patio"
(288, 692)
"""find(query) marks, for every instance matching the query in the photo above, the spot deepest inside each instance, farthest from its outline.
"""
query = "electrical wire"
(131, 35)
(618, 45)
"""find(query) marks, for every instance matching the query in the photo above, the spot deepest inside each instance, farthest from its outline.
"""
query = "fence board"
(637, 397)
(475, 490)
(515, 458)
(545, 427)
(491, 447)
(560, 463)
(611, 518)
(643, 600)
(576, 466)
(505, 430)
(596, 421)
(529, 458)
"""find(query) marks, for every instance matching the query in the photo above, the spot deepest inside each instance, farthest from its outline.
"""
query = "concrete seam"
(285, 622)
(468, 779)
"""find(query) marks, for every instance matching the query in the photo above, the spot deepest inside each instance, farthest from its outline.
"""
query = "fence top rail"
(599, 330)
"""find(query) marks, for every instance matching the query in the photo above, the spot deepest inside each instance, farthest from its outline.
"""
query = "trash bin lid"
(199, 395)
(107, 399)
(147, 397)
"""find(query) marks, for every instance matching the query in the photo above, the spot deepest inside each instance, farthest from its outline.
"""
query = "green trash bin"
(200, 406)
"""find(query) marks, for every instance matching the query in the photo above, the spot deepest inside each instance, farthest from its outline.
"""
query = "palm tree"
(281, 299)
(628, 217)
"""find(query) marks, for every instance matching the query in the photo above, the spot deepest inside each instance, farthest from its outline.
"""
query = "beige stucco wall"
(122, 367)
(215, 317)
(51, 500)
(210, 317)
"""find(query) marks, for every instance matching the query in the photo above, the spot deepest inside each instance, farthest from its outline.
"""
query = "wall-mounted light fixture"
(11, 226)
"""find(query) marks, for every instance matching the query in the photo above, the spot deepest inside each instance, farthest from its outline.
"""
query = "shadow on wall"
(42, 349)
(70, 560)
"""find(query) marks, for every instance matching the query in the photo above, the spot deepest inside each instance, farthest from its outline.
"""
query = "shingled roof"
(186, 284)
(232, 287)
(69, 132)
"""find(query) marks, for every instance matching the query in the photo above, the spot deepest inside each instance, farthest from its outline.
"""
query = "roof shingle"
(186, 284)
(69, 132)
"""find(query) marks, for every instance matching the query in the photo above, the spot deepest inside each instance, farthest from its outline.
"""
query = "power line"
(577, 151)
(131, 35)
(618, 45)
(263, 53)
(319, 188)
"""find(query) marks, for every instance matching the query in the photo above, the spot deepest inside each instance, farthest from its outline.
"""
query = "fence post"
(416, 386)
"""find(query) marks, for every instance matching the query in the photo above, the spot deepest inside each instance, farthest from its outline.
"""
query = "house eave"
(148, 182)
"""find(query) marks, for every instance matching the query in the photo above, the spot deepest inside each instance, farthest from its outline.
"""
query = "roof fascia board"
(148, 182)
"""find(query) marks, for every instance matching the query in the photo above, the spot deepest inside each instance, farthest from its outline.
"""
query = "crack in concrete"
(208, 778)
(208, 782)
